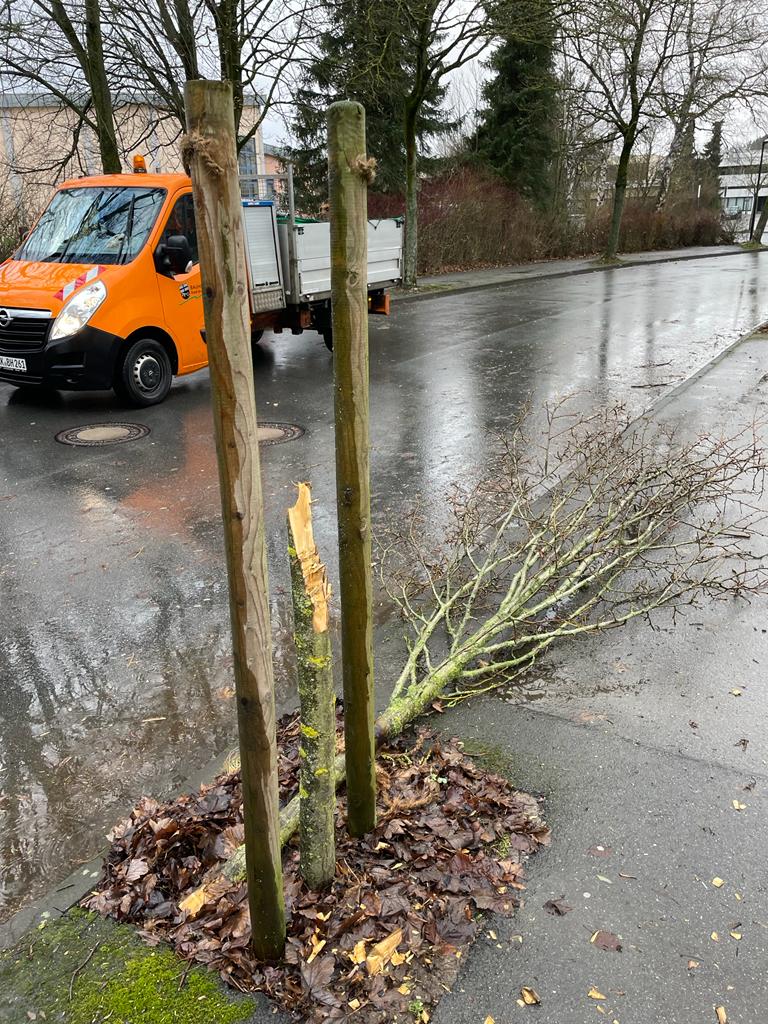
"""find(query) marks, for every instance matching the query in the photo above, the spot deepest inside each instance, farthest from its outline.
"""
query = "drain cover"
(97, 434)
(278, 433)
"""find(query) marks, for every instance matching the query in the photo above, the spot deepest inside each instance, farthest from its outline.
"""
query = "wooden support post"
(317, 697)
(347, 176)
(209, 149)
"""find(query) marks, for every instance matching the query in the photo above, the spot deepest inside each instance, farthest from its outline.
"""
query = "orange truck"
(105, 292)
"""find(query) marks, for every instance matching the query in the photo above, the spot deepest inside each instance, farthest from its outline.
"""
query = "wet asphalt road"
(114, 666)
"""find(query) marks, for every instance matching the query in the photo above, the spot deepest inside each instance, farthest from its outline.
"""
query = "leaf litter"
(406, 900)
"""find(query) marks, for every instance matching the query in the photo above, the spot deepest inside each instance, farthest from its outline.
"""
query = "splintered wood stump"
(317, 699)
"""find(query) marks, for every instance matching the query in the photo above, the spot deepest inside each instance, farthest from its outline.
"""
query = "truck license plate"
(11, 363)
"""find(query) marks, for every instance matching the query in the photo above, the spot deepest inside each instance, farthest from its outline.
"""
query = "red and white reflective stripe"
(86, 278)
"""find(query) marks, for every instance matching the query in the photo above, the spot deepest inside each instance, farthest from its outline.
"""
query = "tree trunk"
(100, 94)
(411, 246)
(349, 304)
(317, 698)
(619, 195)
(210, 149)
(762, 221)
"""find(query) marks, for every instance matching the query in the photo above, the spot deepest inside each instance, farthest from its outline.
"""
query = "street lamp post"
(757, 189)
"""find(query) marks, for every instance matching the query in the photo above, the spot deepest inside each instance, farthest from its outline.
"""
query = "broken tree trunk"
(348, 172)
(317, 697)
(210, 151)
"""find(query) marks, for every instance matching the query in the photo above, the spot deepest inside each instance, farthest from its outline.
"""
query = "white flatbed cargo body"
(289, 260)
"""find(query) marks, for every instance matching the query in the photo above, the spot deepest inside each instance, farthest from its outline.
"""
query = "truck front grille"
(23, 330)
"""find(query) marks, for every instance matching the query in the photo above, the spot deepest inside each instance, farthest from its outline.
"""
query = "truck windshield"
(93, 225)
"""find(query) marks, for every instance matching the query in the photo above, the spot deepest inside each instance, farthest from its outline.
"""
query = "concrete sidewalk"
(640, 741)
(468, 280)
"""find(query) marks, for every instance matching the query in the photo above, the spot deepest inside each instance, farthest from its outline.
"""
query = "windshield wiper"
(127, 233)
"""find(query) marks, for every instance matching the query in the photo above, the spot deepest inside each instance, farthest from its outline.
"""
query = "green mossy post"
(348, 173)
(317, 697)
(209, 148)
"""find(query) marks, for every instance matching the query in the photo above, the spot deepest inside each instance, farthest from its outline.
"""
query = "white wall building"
(741, 179)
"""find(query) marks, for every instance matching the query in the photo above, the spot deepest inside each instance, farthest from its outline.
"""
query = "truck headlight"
(78, 311)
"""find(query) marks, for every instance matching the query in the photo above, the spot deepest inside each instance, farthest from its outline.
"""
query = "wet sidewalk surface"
(115, 667)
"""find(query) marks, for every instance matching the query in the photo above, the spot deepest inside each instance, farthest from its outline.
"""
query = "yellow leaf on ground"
(357, 955)
(693, 964)
(194, 903)
(530, 996)
(738, 805)
(317, 946)
(718, 882)
(489, 1020)
(381, 953)
(735, 935)
(737, 895)
(354, 1004)
(596, 994)
(722, 1016)
(715, 937)
(735, 692)
(404, 990)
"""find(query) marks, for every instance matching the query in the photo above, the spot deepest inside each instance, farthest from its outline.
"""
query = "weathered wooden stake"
(209, 149)
(317, 697)
(349, 302)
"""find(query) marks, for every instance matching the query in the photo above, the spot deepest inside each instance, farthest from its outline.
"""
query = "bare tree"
(438, 38)
(723, 61)
(253, 43)
(623, 48)
(56, 48)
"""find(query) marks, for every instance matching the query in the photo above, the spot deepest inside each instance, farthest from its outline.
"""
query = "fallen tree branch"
(533, 556)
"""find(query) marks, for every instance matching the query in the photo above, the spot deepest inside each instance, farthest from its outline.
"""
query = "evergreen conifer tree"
(516, 135)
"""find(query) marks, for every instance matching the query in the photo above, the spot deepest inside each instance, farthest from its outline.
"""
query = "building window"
(246, 159)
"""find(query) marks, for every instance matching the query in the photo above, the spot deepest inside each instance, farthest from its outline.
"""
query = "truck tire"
(144, 374)
(328, 338)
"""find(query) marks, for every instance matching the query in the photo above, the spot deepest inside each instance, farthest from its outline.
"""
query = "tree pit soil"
(385, 941)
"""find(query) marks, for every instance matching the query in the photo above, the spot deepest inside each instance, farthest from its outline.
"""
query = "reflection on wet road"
(114, 667)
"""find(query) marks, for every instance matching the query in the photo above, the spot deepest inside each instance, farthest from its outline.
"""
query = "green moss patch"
(111, 977)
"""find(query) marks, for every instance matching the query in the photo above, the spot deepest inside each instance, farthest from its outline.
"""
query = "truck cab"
(105, 291)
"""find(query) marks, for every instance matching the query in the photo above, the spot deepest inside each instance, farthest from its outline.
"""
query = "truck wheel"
(144, 375)
(328, 338)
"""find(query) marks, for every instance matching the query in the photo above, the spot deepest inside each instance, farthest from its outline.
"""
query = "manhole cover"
(96, 434)
(278, 433)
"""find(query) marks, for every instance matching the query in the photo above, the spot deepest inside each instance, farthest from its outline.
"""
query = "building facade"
(40, 144)
(743, 186)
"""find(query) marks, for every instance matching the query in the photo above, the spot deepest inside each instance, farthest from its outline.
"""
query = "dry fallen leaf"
(354, 1004)
(557, 908)
(381, 953)
(738, 805)
(735, 935)
(489, 1020)
(622, 875)
(735, 692)
(693, 964)
(607, 941)
(722, 1016)
(718, 882)
(596, 994)
(530, 996)
(715, 937)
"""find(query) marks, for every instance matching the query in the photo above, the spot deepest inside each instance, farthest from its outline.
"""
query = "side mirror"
(173, 256)
(179, 251)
